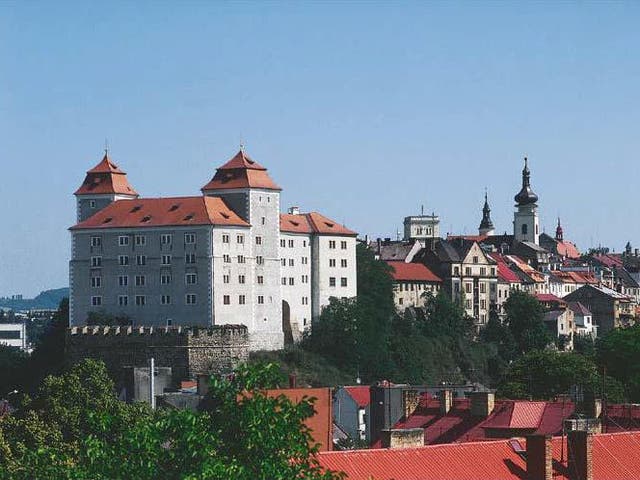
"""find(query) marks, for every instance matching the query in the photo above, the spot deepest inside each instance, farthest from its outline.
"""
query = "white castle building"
(227, 256)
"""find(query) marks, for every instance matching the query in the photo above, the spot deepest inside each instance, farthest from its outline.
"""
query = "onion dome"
(526, 196)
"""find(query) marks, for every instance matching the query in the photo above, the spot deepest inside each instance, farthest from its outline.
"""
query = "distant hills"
(45, 299)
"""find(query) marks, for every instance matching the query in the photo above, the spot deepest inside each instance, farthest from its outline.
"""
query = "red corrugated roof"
(105, 178)
(241, 172)
(615, 457)
(312, 222)
(527, 414)
(360, 394)
(408, 272)
(154, 212)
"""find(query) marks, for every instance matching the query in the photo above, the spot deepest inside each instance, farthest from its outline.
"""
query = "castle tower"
(249, 191)
(486, 225)
(526, 226)
(559, 234)
(105, 183)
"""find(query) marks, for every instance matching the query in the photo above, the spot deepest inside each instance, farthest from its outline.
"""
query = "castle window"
(226, 258)
(283, 280)
(291, 262)
(123, 300)
(189, 238)
(165, 239)
(141, 240)
(123, 260)
(226, 278)
(190, 298)
(166, 259)
(305, 260)
(291, 243)
(264, 220)
(283, 242)
(240, 258)
(165, 279)
(123, 240)
(260, 279)
(141, 300)
(190, 258)
(123, 280)
(242, 299)
(258, 240)
(343, 282)
(141, 259)
(304, 243)
(165, 300)
(140, 280)
(524, 229)
(96, 282)
(260, 260)
(332, 281)
(226, 300)
(343, 262)
(191, 278)
(225, 238)
(96, 241)
(96, 261)
(260, 299)
(332, 244)
(92, 203)
(283, 262)
(332, 262)
(240, 239)
(291, 281)
(241, 279)
(96, 301)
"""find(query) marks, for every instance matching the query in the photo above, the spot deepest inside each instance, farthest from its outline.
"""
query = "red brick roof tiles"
(361, 394)
(105, 178)
(241, 172)
(312, 222)
(505, 274)
(154, 212)
(412, 272)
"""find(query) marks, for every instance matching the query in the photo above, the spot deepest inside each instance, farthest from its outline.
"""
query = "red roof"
(241, 172)
(567, 249)
(411, 272)
(312, 222)
(154, 212)
(548, 298)
(360, 394)
(615, 457)
(105, 178)
(505, 274)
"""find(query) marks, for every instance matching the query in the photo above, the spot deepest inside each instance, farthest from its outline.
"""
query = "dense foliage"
(619, 353)
(76, 428)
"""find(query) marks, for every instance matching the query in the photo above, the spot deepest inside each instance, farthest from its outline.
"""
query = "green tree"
(619, 352)
(525, 321)
(13, 369)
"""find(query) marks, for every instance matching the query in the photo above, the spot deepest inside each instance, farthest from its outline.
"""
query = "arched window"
(524, 229)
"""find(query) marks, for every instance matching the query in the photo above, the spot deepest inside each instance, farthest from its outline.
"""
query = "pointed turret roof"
(241, 172)
(559, 233)
(486, 223)
(106, 178)
(526, 196)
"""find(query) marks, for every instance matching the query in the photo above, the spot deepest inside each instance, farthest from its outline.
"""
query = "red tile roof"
(154, 212)
(241, 172)
(615, 457)
(567, 249)
(105, 178)
(408, 272)
(505, 274)
(361, 394)
(548, 298)
(312, 222)
(526, 414)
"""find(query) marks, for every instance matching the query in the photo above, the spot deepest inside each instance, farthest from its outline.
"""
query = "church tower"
(559, 233)
(105, 183)
(526, 226)
(486, 225)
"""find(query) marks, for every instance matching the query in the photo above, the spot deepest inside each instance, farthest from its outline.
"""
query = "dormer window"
(92, 203)
(136, 208)
(174, 208)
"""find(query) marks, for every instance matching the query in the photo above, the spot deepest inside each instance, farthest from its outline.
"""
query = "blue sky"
(363, 111)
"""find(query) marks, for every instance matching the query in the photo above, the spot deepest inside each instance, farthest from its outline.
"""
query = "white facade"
(421, 227)
(14, 335)
(526, 225)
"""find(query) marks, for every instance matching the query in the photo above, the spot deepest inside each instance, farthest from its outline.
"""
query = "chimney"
(539, 457)
(446, 401)
(410, 401)
(482, 404)
(402, 438)
(294, 210)
(579, 445)
(203, 384)
(592, 406)
(293, 380)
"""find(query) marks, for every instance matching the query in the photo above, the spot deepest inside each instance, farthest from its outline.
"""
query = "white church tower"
(526, 227)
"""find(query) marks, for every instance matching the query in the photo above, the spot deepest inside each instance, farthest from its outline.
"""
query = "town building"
(609, 308)
(583, 320)
(351, 411)
(412, 284)
(227, 256)
(14, 334)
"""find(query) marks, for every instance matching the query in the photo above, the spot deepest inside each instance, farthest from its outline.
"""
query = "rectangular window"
(123, 280)
(283, 262)
(96, 261)
(123, 260)
(258, 240)
(166, 259)
(226, 300)
(291, 281)
(343, 245)
(241, 279)
(260, 260)
(493, 271)
(96, 282)
(189, 238)
(475, 259)
(123, 240)
(123, 300)
(240, 239)
(96, 301)
(141, 300)
(190, 258)
(468, 287)
(140, 280)
(483, 304)
(304, 243)
(141, 240)
(240, 258)
(191, 278)
(225, 238)
(483, 287)
(291, 243)
(226, 278)
(141, 259)
(165, 279)
(483, 271)
(190, 298)
(332, 244)
(291, 262)
(96, 241)
(305, 260)
(283, 280)
(332, 262)
(332, 281)
(165, 300)
(467, 271)
(264, 220)
(343, 262)
(283, 243)
(226, 258)
(242, 299)
(343, 282)
(166, 239)
(467, 303)
(260, 279)
(260, 299)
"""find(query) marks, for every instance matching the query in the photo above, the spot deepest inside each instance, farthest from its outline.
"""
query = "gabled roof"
(312, 222)
(615, 457)
(361, 394)
(105, 178)
(241, 172)
(548, 298)
(579, 309)
(408, 272)
(401, 251)
(154, 212)
(505, 274)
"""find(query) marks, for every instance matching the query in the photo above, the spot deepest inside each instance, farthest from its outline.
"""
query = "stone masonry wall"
(188, 351)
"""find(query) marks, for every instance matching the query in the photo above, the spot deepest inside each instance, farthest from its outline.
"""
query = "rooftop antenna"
(422, 210)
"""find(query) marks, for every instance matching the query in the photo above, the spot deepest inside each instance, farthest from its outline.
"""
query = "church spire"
(559, 234)
(526, 196)
(486, 225)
